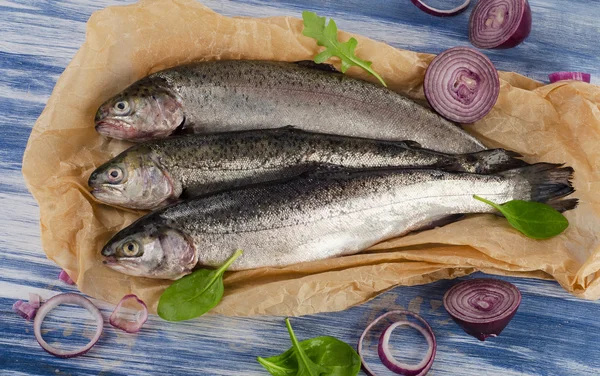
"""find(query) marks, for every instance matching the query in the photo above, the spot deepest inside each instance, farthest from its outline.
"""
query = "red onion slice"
(129, 326)
(499, 23)
(462, 85)
(482, 306)
(384, 352)
(441, 12)
(68, 298)
(63, 276)
(560, 76)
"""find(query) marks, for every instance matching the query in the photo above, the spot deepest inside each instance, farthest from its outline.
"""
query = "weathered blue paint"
(552, 334)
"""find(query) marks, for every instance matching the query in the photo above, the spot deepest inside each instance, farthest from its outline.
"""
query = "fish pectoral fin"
(440, 222)
(410, 144)
(312, 65)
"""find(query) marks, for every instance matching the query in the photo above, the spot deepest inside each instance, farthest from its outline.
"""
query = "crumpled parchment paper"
(553, 123)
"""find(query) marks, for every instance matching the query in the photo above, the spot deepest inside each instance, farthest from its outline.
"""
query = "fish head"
(134, 179)
(146, 110)
(149, 249)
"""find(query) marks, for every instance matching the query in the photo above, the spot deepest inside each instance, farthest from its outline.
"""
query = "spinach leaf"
(320, 356)
(194, 294)
(326, 36)
(533, 219)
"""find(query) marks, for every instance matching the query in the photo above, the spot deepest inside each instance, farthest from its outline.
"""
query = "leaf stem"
(299, 351)
(487, 202)
(229, 261)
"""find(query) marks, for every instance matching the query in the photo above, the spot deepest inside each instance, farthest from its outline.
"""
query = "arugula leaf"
(320, 356)
(194, 294)
(326, 36)
(532, 219)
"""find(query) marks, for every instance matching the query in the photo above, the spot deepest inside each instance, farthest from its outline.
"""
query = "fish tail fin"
(546, 181)
(564, 205)
(489, 161)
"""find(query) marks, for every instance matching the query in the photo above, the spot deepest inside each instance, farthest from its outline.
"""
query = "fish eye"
(122, 108)
(131, 249)
(115, 175)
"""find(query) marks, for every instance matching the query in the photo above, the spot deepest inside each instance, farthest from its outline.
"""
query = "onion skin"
(517, 37)
(486, 322)
(486, 330)
(522, 32)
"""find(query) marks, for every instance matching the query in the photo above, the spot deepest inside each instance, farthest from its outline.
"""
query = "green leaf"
(321, 356)
(532, 219)
(194, 294)
(326, 35)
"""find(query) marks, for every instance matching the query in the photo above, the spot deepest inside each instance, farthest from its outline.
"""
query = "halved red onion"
(68, 298)
(499, 23)
(35, 300)
(482, 306)
(462, 84)
(578, 76)
(127, 325)
(441, 12)
(24, 309)
(383, 349)
(63, 276)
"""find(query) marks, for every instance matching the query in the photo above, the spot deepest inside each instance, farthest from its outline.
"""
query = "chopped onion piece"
(35, 300)
(63, 276)
(68, 298)
(23, 309)
(441, 12)
(482, 306)
(129, 326)
(383, 349)
(462, 84)
(499, 23)
(578, 76)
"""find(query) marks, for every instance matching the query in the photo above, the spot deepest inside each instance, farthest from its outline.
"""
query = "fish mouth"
(115, 129)
(109, 260)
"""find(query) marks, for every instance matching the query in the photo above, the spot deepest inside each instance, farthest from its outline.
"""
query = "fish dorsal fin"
(312, 65)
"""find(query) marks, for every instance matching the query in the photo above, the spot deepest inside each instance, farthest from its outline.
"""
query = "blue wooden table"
(552, 334)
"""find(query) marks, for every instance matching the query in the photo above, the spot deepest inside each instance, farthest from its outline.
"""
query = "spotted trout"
(159, 172)
(221, 96)
(316, 216)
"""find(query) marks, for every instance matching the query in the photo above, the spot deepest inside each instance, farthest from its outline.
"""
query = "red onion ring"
(129, 326)
(441, 12)
(499, 23)
(63, 276)
(560, 76)
(482, 306)
(462, 85)
(68, 298)
(385, 355)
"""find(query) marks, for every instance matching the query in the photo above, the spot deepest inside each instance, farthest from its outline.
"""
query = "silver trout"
(221, 96)
(159, 172)
(316, 216)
